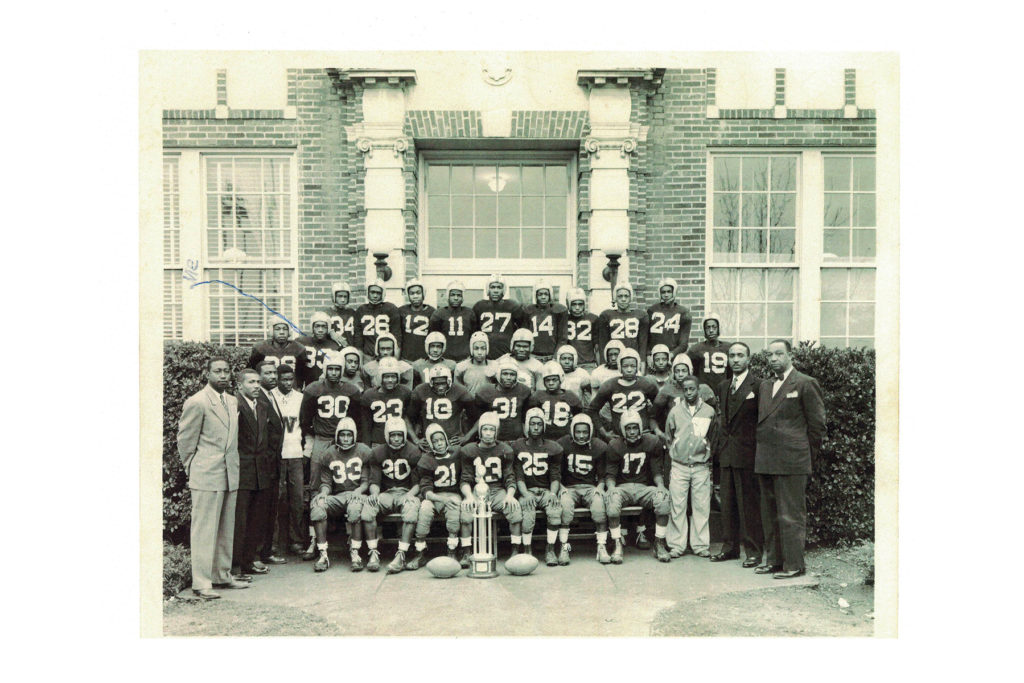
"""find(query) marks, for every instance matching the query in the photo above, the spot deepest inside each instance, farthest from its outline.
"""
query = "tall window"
(172, 249)
(848, 306)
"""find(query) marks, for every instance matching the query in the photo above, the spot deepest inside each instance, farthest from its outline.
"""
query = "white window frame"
(511, 266)
(170, 267)
(193, 242)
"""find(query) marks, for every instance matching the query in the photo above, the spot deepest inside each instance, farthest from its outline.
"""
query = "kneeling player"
(393, 488)
(340, 472)
(440, 471)
(538, 473)
(583, 474)
(490, 461)
(636, 476)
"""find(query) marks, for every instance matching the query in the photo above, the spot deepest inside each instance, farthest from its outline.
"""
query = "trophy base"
(483, 567)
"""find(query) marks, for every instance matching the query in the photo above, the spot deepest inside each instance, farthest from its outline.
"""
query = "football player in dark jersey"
(442, 401)
(394, 487)
(547, 321)
(343, 316)
(574, 379)
(625, 393)
(583, 481)
(538, 468)
(379, 404)
(340, 471)
(279, 349)
(435, 346)
(386, 346)
(491, 461)
(415, 318)
(557, 404)
(711, 356)
(636, 476)
(375, 318)
(477, 371)
(581, 329)
(624, 323)
(324, 403)
(316, 347)
(440, 470)
(498, 317)
(507, 400)
(352, 368)
(659, 369)
(455, 322)
(670, 322)
(522, 355)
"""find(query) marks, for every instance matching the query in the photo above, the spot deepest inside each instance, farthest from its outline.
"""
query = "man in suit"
(735, 450)
(208, 448)
(790, 427)
(275, 433)
(257, 481)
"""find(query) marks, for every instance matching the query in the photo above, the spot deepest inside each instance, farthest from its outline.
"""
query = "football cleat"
(357, 562)
(417, 560)
(563, 557)
(397, 565)
(641, 541)
(550, 559)
(373, 563)
(617, 552)
(453, 553)
(517, 549)
(322, 563)
(661, 550)
(464, 557)
(310, 552)
(602, 554)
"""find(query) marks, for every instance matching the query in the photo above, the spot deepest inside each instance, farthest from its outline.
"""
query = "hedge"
(840, 494)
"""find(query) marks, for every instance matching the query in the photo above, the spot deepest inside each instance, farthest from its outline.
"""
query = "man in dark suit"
(275, 435)
(736, 447)
(790, 427)
(256, 481)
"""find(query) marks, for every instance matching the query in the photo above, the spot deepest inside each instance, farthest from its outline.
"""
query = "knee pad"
(410, 511)
(317, 513)
(661, 505)
(453, 520)
(527, 517)
(516, 516)
(354, 511)
(597, 510)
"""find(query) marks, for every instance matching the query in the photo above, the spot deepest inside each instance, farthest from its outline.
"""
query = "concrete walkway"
(583, 599)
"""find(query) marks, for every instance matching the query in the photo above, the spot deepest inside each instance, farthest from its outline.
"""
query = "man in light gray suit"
(208, 448)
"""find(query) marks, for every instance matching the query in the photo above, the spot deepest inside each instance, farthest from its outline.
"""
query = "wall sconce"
(609, 232)
(385, 232)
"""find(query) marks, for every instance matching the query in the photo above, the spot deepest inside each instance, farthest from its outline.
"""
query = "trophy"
(483, 563)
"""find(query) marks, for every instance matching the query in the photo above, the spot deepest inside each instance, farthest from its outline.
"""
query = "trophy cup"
(483, 564)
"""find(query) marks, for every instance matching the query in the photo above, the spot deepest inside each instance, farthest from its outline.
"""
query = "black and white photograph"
(521, 343)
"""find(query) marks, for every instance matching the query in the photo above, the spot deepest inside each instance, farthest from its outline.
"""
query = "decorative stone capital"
(625, 146)
(397, 146)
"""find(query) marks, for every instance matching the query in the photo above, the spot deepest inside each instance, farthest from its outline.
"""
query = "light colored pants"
(212, 535)
(454, 515)
(693, 483)
(546, 501)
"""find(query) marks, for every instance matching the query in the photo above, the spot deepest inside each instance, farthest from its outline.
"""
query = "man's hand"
(372, 499)
(307, 449)
(512, 504)
(455, 440)
(529, 500)
(468, 504)
(450, 504)
(320, 499)
(661, 487)
(409, 497)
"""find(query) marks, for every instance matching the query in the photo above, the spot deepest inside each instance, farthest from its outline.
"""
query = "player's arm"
(602, 334)
(594, 409)
(612, 463)
(509, 477)
(561, 330)
(555, 469)
(642, 335)
(436, 323)
(189, 427)
(683, 338)
(658, 458)
(306, 411)
(326, 477)
(601, 467)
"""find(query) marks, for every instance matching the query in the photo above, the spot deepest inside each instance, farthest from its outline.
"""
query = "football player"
(581, 329)
(440, 470)
(528, 367)
(455, 322)
(387, 347)
(491, 461)
(671, 392)
(609, 369)
(280, 348)
(375, 318)
(498, 317)
(477, 371)
(324, 403)
(352, 370)
(380, 404)
(343, 317)
(583, 480)
(711, 356)
(557, 405)
(670, 322)
(415, 319)
(538, 468)
(624, 323)
(636, 476)
(394, 487)
(316, 347)
(507, 400)
(627, 393)
(435, 345)
(659, 370)
(442, 401)
(574, 379)
(547, 320)
(340, 469)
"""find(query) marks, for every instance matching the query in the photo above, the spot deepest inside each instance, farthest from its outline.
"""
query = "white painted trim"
(810, 243)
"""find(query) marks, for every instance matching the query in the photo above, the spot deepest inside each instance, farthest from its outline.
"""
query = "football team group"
(385, 410)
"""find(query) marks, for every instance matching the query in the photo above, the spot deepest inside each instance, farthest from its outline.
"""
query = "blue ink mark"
(256, 299)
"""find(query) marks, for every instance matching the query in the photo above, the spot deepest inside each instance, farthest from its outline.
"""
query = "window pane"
(837, 209)
(780, 320)
(437, 211)
(780, 284)
(862, 284)
(864, 210)
(533, 211)
(554, 243)
(462, 243)
(755, 173)
(858, 342)
(462, 211)
(833, 284)
(486, 180)
(513, 185)
(751, 319)
(533, 180)
(437, 179)
(837, 244)
(755, 246)
(723, 285)
(727, 173)
(751, 285)
(557, 180)
(727, 318)
(783, 173)
(833, 342)
(862, 319)
(248, 211)
(508, 242)
(783, 245)
(755, 210)
(554, 211)
(524, 295)
(837, 173)
(248, 175)
(727, 210)
(462, 179)
(833, 319)
(727, 246)
(864, 174)
(486, 211)
(508, 211)
(533, 243)
(215, 209)
(864, 244)
(486, 243)
(783, 211)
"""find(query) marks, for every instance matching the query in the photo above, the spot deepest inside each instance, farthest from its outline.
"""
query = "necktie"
(735, 384)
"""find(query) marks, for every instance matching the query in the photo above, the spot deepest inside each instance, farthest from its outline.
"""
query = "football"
(443, 567)
(521, 564)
